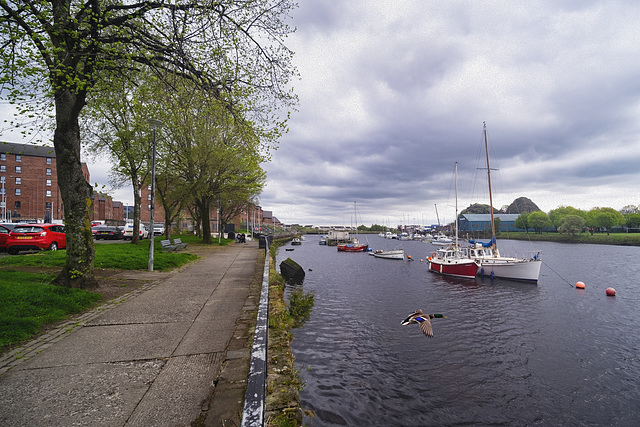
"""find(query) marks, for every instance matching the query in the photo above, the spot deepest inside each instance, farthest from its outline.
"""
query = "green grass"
(29, 301)
(123, 256)
(623, 239)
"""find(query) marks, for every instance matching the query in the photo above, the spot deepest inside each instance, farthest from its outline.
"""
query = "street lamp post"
(154, 125)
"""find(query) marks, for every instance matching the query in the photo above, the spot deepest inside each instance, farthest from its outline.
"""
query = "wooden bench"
(179, 245)
(167, 246)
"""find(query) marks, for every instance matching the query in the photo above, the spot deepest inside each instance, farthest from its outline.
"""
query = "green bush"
(300, 306)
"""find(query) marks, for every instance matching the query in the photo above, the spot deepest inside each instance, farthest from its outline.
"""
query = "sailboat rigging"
(453, 260)
(355, 245)
(490, 262)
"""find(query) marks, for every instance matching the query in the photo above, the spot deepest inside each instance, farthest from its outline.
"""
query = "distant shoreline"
(618, 239)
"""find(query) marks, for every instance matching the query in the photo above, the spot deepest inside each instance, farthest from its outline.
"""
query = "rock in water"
(291, 271)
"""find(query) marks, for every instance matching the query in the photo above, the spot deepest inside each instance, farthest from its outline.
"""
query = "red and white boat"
(453, 260)
(355, 245)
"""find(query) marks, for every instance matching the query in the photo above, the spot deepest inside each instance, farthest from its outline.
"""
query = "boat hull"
(462, 268)
(512, 269)
(352, 248)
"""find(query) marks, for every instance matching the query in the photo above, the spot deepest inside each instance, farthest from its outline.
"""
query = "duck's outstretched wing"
(411, 318)
(425, 326)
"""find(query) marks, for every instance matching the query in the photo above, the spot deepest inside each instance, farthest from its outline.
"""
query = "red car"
(26, 237)
(5, 229)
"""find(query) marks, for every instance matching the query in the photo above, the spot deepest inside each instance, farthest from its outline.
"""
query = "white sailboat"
(490, 262)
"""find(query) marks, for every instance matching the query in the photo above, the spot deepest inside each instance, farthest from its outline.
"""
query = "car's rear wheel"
(53, 246)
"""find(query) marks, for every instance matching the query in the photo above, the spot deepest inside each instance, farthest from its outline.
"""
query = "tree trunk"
(137, 202)
(76, 193)
(204, 209)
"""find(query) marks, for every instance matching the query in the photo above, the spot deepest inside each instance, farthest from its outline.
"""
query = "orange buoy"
(579, 285)
(611, 292)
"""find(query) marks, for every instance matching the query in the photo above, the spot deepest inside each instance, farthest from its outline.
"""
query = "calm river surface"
(508, 353)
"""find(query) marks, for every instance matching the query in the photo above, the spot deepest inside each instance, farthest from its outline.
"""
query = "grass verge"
(29, 301)
(621, 239)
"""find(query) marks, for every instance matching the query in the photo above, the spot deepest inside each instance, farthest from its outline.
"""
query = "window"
(48, 193)
(3, 168)
(1, 191)
(148, 207)
(149, 197)
(3, 156)
(18, 181)
(18, 158)
(18, 192)
(16, 205)
(48, 160)
(48, 171)
(47, 205)
(18, 169)
(48, 183)
(149, 188)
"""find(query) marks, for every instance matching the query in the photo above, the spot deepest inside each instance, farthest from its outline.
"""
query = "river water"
(508, 353)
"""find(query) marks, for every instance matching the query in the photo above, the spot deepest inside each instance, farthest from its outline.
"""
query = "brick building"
(29, 183)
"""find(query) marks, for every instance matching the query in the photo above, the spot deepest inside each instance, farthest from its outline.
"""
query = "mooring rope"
(548, 266)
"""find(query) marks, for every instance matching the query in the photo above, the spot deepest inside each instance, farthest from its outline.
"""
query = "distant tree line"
(565, 219)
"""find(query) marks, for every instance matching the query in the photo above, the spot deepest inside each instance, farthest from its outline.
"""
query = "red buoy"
(611, 292)
(579, 285)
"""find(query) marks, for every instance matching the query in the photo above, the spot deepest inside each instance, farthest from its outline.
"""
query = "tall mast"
(456, 187)
(486, 148)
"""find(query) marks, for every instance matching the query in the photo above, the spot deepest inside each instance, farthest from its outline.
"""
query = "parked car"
(128, 231)
(107, 232)
(26, 237)
(158, 229)
(5, 229)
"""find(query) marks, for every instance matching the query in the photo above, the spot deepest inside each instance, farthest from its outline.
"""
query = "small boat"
(355, 245)
(296, 241)
(453, 260)
(490, 262)
(288, 249)
(323, 240)
(441, 240)
(389, 254)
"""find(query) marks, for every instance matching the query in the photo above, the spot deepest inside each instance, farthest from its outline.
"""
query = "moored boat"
(353, 247)
(490, 262)
(453, 260)
(388, 254)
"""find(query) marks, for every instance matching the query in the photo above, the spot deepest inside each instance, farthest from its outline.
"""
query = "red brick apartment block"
(29, 183)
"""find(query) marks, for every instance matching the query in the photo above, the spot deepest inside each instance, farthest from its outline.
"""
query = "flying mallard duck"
(424, 320)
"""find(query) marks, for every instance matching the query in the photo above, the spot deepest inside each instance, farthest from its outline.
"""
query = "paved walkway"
(173, 353)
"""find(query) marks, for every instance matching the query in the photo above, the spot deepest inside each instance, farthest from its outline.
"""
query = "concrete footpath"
(174, 353)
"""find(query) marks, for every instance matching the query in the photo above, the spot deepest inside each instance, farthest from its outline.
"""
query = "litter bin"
(263, 240)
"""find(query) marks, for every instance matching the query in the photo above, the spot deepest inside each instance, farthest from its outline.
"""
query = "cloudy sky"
(392, 93)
